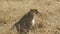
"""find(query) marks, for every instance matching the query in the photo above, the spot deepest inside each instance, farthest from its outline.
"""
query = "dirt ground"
(13, 10)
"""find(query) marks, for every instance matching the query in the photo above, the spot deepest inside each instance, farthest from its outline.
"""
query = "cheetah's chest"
(33, 21)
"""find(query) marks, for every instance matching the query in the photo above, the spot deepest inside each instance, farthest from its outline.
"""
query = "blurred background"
(13, 10)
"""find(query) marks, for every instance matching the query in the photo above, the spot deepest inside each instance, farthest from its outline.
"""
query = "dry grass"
(13, 10)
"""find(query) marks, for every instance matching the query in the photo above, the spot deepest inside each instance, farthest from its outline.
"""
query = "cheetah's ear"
(35, 9)
(31, 9)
